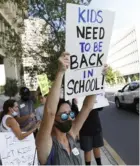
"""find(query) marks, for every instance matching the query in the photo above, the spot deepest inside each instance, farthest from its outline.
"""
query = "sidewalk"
(106, 158)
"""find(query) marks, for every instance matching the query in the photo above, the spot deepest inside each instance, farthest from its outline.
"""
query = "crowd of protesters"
(57, 124)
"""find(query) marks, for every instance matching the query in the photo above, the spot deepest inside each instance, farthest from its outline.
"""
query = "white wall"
(138, 38)
(2, 75)
(125, 51)
(11, 69)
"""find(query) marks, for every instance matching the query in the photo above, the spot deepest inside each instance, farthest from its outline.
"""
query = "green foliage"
(37, 104)
(135, 78)
(11, 42)
(22, 4)
(1, 89)
(54, 14)
(110, 77)
(12, 46)
(50, 83)
(11, 88)
(113, 77)
(118, 76)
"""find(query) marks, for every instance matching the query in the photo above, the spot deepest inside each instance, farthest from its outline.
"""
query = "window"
(126, 88)
(134, 86)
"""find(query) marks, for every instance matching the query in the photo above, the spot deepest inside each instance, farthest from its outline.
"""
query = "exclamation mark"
(103, 78)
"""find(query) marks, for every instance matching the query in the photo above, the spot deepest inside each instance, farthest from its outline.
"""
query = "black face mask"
(64, 126)
(25, 98)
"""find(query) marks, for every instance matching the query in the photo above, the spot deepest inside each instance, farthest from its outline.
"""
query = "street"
(121, 131)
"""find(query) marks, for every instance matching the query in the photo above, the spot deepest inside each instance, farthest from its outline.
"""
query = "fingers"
(32, 115)
(65, 54)
(38, 123)
(105, 65)
(104, 71)
(65, 57)
(64, 61)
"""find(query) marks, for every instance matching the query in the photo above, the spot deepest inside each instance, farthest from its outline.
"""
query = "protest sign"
(101, 101)
(16, 152)
(43, 83)
(88, 33)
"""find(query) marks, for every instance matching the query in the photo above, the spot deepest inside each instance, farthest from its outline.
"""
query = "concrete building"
(124, 53)
(32, 40)
(9, 20)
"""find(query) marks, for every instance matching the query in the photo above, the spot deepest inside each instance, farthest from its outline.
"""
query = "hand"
(75, 101)
(105, 69)
(30, 125)
(64, 61)
(37, 124)
(32, 115)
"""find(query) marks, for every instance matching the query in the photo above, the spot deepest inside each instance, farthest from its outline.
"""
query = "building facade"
(124, 53)
(33, 38)
(10, 19)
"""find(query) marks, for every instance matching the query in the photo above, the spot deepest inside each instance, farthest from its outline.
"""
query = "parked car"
(128, 95)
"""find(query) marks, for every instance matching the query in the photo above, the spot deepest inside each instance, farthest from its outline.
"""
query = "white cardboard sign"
(88, 33)
(16, 152)
(101, 101)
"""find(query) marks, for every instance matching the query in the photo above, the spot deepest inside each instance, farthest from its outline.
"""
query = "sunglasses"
(65, 116)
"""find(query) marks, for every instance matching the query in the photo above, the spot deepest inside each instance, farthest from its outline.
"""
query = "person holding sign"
(40, 110)
(91, 137)
(9, 124)
(74, 106)
(59, 147)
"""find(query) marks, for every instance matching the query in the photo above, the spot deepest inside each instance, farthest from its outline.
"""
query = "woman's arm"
(44, 140)
(27, 127)
(24, 118)
(12, 123)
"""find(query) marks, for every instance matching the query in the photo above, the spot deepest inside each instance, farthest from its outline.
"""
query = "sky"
(127, 12)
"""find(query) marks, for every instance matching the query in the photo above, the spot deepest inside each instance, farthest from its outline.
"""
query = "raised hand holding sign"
(88, 36)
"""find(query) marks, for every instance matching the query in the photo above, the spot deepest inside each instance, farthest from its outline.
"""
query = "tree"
(135, 77)
(12, 44)
(110, 77)
(54, 14)
(21, 4)
(11, 41)
(11, 87)
(118, 76)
